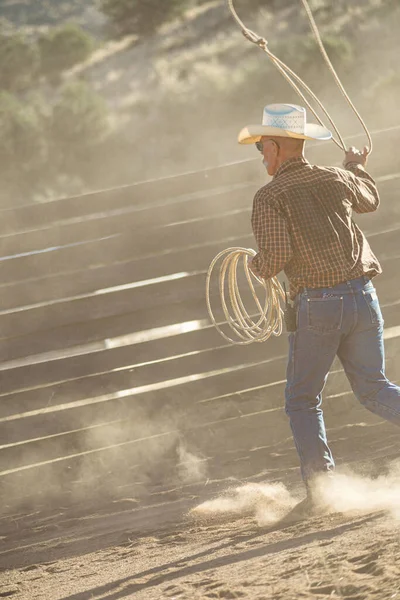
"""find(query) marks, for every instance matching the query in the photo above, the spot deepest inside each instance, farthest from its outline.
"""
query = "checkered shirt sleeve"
(365, 195)
(272, 237)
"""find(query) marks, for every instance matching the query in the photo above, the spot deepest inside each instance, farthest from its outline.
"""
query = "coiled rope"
(241, 323)
(270, 315)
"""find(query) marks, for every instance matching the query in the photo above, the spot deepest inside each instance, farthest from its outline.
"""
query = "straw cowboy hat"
(284, 120)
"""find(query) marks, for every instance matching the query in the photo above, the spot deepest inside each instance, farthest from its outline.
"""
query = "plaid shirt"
(302, 224)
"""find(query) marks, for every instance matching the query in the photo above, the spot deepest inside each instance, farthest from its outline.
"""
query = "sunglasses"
(260, 145)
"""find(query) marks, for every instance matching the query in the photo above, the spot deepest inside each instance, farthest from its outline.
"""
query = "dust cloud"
(191, 468)
(266, 502)
(344, 492)
(131, 456)
(347, 492)
(143, 455)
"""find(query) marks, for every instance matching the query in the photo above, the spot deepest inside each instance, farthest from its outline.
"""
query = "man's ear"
(276, 147)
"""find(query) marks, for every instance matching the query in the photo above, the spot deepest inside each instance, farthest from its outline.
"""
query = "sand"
(232, 544)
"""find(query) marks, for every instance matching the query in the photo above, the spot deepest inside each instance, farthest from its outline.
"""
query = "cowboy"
(302, 224)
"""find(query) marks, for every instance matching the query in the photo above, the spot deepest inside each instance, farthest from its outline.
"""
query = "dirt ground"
(211, 541)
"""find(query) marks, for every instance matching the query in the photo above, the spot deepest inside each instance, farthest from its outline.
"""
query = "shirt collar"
(290, 164)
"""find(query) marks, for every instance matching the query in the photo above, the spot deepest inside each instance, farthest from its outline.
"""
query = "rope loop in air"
(246, 330)
(295, 81)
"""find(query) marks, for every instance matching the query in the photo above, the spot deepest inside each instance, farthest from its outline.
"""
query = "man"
(302, 224)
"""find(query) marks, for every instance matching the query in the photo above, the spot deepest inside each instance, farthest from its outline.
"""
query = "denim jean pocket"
(373, 306)
(325, 314)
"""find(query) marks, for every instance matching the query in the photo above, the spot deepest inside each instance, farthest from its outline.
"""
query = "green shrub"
(304, 57)
(23, 144)
(19, 60)
(79, 124)
(339, 50)
(141, 17)
(42, 146)
(63, 47)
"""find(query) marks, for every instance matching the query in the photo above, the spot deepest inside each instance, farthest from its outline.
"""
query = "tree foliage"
(63, 47)
(42, 144)
(19, 60)
(141, 17)
(23, 144)
(79, 123)
(304, 56)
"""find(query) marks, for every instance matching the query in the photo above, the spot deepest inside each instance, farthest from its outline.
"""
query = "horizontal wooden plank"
(76, 367)
(70, 262)
(85, 332)
(101, 306)
(65, 285)
(213, 203)
(132, 219)
(31, 216)
(136, 424)
(132, 376)
(174, 406)
(110, 371)
(48, 372)
(119, 302)
(150, 403)
(209, 427)
(123, 246)
(99, 329)
(122, 423)
(252, 457)
(111, 474)
(120, 247)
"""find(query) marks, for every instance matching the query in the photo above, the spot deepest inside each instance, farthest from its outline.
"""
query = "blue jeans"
(344, 320)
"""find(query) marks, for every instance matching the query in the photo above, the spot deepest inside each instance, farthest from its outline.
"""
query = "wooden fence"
(111, 373)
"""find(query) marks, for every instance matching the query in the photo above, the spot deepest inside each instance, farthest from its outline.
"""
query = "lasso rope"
(270, 315)
(241, 323)
(291, 76)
